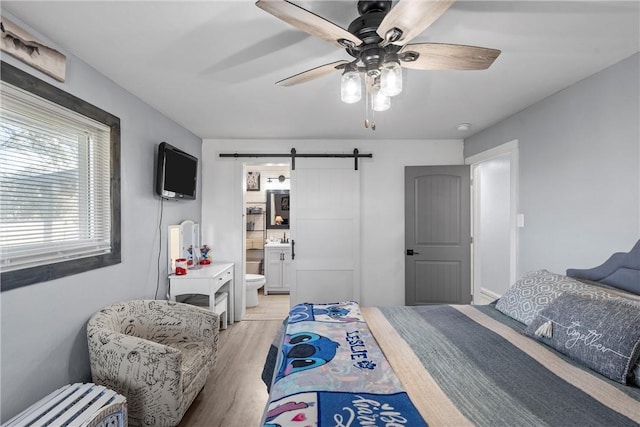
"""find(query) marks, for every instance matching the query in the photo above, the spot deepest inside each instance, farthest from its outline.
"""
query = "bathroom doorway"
(266, 256)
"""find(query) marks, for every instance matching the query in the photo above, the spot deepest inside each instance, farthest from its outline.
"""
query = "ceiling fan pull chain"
(366, 106)
(373, 120)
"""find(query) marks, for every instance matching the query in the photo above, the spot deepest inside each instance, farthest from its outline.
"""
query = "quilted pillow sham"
(604, 335)
(537, 289)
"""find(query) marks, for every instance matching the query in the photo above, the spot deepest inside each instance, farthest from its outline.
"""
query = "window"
(59, 183)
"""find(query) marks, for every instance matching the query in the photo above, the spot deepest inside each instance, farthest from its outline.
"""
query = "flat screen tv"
(176, 174)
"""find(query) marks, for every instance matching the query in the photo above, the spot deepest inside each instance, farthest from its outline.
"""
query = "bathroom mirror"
(181, 238)
(277, 209)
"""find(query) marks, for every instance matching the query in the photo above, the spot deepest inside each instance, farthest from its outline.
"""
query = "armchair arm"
(146, 372)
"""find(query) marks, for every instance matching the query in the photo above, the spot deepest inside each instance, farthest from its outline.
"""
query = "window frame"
(32, 275)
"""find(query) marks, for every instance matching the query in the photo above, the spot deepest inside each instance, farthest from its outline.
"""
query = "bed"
(554, 350)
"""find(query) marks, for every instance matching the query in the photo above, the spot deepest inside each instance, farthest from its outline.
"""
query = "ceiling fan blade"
(412, 17)
(311, 74)
(307, 21)
(442, 56)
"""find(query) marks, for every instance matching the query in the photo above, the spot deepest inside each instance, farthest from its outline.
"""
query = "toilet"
(253, 282)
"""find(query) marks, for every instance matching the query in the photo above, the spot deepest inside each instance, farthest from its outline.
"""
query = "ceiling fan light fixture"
(350, 86)
(391, 76)
(379, 101)
(378, 41)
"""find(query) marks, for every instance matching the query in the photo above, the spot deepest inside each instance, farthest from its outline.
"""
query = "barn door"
(325, 229)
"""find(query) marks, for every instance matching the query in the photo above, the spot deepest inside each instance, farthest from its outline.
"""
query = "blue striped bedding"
(430, 365)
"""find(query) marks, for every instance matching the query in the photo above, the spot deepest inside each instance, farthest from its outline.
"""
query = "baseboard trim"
(486, 296)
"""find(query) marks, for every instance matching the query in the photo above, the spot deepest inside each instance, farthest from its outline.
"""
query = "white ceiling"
(211, 65)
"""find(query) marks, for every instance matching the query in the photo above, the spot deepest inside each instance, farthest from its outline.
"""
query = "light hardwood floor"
(270, 307)
(234, 395)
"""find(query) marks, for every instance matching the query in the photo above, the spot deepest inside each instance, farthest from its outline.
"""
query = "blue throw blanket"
(331, 371)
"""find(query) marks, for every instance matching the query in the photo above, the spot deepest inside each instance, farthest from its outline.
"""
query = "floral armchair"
(156, 353)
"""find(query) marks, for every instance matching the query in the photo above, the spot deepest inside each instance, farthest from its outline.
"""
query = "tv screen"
(177, 173)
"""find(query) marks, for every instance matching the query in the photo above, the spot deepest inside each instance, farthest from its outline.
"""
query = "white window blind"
(54, 183)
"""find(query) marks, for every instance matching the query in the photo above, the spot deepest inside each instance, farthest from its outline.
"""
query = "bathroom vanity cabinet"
(278, 268)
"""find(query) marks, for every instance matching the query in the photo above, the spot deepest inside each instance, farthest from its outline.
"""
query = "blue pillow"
(604, 335)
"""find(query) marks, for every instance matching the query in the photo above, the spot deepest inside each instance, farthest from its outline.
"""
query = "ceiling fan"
(378, 41)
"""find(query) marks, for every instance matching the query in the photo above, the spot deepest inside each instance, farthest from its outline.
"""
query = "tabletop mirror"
(182, 237)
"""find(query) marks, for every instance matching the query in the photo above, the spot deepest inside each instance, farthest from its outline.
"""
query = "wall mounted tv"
(176, 174)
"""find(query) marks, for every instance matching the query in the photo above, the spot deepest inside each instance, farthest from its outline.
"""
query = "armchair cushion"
(156, 353)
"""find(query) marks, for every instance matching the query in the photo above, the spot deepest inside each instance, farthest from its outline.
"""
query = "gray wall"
(381, 202)
(579, 182)
(43, 343)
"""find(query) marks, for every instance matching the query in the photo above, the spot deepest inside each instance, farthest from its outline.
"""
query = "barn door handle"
(411, 252)
(293, 249)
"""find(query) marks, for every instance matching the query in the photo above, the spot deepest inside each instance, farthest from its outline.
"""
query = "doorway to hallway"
(494, 221)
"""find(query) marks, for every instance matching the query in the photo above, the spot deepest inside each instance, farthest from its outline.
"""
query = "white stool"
(253, 282)
(221, 300)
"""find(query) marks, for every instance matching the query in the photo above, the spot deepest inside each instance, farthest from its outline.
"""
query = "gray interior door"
(437, 235)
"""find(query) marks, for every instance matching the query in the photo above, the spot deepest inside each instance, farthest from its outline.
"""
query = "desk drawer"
(225, 275)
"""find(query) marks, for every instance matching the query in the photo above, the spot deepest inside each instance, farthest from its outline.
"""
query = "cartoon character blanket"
(330, 371)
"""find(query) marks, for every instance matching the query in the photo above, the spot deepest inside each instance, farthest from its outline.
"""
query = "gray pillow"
(537, 289)
(604, 335)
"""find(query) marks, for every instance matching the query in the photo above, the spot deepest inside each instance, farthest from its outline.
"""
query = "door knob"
(411, 252)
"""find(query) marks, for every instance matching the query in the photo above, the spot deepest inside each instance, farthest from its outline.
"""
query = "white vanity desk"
(207, 280)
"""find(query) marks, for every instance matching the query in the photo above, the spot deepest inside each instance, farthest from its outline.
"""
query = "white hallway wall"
(382, 200)
(579, 184)
(494, 226)
(43, 326)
